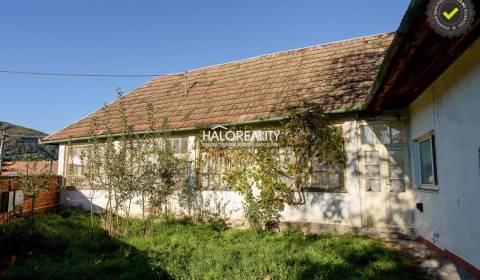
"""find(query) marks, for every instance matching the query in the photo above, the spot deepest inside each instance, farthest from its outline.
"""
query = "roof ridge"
(238, 85)
(279, 52)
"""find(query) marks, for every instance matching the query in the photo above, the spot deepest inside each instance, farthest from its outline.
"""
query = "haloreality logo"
(450, 18)
(225, 137)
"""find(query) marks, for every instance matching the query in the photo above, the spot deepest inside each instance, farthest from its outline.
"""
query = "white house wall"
(61, 160)
(451, 108)
(319, 207)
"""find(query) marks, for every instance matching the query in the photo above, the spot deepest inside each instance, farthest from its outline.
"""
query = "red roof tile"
(338, 76)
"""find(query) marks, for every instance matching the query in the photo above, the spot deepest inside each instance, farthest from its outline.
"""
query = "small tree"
(103, 162)
(262, 183)
(91, 160)
(161, 172)
(34, 180)
(128, 164)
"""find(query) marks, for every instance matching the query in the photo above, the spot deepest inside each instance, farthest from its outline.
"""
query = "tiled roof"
(338, 76)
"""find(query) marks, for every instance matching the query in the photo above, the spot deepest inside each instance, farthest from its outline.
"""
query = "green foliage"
(62, 248)
(310, 135)
(32, 185)
(182, 250)
(18, 239)
(270, 177)
(127, 164)
(263, 187)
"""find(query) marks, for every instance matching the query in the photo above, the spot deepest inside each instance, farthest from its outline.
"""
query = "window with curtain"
(179, 146)
(327, 177)
(74, 164)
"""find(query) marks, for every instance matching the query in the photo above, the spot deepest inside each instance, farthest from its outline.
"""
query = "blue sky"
(153, 37)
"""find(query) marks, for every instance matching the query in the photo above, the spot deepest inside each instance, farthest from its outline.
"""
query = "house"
(436, 80)
(407, 107)
(34, 168)
(258, 91)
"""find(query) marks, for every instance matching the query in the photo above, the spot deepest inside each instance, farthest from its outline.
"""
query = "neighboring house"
(408, 112)
(20, 141)
(32, 168)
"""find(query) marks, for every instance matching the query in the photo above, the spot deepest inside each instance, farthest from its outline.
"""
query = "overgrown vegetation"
(141, 168)
(61, 248)
(33, 184)
(271, 177)
(130, 168)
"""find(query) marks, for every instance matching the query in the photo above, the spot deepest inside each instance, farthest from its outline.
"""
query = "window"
(327, 177)
(179, 146)
(426, 161)
(372, 171)
(396, 170)
(383, 133)
(74, 164)
(213, 168)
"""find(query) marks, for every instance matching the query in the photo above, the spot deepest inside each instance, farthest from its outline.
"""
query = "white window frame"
(311, 187)
(417, 162)
(69, 178)
(181, 141)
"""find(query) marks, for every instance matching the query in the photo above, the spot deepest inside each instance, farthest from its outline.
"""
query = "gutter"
(184, 129)
(413, 13)
(187, 129)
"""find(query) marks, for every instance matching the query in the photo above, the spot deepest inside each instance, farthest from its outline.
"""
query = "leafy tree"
(127, 165)
(33, 180)
(270, 177)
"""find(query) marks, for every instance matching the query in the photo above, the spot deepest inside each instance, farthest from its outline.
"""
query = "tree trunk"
(127, 220)
(91, 212)
(32, 209)
(143, 213)
(116, 228)
(108, 214)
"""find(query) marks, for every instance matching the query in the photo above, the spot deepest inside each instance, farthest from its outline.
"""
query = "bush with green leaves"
(128, 165)
(271, 177)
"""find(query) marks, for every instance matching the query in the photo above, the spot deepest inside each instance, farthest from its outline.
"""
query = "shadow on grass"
(368, 262)
(62, 248)
(200, 251)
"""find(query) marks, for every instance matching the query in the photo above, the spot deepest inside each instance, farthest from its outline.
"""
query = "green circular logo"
(450, 18)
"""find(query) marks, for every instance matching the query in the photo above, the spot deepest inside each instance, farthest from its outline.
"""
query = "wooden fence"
(11, 184)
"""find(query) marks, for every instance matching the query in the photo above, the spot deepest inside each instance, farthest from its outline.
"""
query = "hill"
(22, 140)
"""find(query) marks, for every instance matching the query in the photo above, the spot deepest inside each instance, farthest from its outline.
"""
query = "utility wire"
(26, 136)
(83, 75)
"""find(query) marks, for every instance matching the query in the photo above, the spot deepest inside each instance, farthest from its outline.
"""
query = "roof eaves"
(186, 129)
(413, 13)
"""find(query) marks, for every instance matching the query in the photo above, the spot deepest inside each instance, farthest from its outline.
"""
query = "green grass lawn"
(61, 247)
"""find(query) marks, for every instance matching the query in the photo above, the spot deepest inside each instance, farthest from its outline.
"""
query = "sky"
(153, 37)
